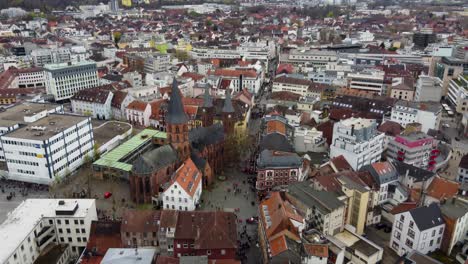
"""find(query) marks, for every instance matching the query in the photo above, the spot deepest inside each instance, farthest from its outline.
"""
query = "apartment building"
(65, 79)
(415, 148)
(455, 215)
(321, 210)
(240, 79)
(428, 89)
(428, 114)
(457, 94)
(306, 140)
(49, 148)
(37, 224)
(358, 140)
(184, 190)
(41, 57)
(447, 69)
(385, 175)
(463, 169)
(95, 102)
(139, 228)
(368, 81)
(418, 229)
(157, 62)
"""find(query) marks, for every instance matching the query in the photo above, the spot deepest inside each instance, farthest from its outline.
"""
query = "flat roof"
(107, 131)
(14, 115)
(21, 221)
(129, 256)
(58, 66)
(113, 158)
(50, 126)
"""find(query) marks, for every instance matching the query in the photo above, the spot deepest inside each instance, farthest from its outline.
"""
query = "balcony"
(45, 241)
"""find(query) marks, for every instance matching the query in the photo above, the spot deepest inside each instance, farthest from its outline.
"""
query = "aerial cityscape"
(234, 131)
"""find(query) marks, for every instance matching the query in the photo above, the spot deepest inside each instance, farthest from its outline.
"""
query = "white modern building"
(428, 89)
(94, 102)
(457, 94)
(48, 148)
(428, 114)
(65, 79)
(29, 78)
(418, 229)
(313, 59)
(309, 139)
(358, 140)
(293, 85)
(184, 191)
(37, 224)
(41, 57)
(368, 81)
(157, 62)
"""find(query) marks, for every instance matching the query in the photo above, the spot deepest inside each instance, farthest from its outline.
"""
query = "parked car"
(252, 220)
(107, 195)
(380, 226)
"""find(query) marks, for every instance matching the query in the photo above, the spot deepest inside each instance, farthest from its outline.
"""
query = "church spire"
(207, 100)
(176, 113)
(228, 108)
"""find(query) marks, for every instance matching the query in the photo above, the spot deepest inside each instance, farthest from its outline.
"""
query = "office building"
(415, 148)
(367, 81)
(65, 79)
(48, 148)
(457, 94)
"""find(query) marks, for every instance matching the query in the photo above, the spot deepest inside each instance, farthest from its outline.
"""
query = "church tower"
(208, 109)
(228, 114)
(177, 124)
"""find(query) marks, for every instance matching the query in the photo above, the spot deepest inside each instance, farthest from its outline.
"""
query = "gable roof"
(137, 105)
(97, 95)
(324, 201)
(209, 230)
(442, 188)
(383, 172)
(427, 217)
(188, 177)
(155, 159)
(277, 216)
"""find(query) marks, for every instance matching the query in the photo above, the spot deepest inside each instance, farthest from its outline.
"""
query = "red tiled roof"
(442, 189)
(188, 177)
(316, 250)
(235, 73)
(403, 207)
(194, 76)
(137, 105)
(104, 235)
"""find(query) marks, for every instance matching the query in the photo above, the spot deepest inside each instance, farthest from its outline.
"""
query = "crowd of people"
(11, 189)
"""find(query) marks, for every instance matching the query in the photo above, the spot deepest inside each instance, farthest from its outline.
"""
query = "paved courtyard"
(6, 187)
(221, 196)
(382, 239)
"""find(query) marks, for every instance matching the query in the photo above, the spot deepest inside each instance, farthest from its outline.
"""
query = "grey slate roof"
(228, 108)
(275, 141)
(386, 175)
(278, 159)
(200, 137)
(324, 201)
(176, 113)
(454, 208)
(154, 160)
(415, 172)
(427, 217)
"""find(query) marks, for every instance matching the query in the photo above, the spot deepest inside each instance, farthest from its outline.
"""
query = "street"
(382, 239)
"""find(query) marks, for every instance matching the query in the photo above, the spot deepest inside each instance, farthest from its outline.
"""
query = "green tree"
(117, 36)
(181, 55)
(330, 14)
(96, 153)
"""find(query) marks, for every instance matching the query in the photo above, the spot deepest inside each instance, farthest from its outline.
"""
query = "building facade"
(358, 140)
(65, 79)
(48, 148)
(37, 224)
(418, 229)
(428, 114)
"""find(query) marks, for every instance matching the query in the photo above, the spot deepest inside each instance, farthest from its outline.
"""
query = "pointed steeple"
(176, 113)
(207, 100)
(228, 108)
